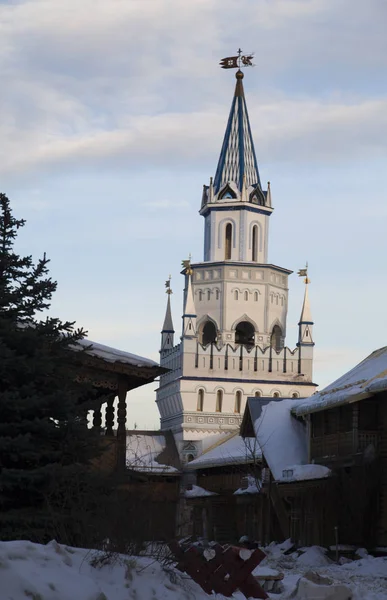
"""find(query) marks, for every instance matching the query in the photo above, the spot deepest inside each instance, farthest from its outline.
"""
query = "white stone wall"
(242, 221)
(229, 293)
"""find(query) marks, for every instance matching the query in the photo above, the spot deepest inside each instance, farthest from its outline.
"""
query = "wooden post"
(97, 417)
(121, 430)
(109, 416)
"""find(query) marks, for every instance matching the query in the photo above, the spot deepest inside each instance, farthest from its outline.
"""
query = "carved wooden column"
(109, 416)
(97, 417)
(121, 431)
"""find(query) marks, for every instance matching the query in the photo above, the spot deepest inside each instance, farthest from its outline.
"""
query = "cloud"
(136, 83)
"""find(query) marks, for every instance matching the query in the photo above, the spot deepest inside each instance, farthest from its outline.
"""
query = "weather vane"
(304, 273)
(237, 62)
(168, 286)
(186, 264)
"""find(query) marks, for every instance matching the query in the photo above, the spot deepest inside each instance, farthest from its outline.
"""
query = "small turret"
(189, 316)
(167, 332)
(305, 325)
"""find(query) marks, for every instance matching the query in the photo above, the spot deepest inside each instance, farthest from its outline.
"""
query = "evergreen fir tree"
(45, 444)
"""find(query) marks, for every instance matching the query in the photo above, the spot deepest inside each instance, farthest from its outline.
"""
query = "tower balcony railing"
(239, 358)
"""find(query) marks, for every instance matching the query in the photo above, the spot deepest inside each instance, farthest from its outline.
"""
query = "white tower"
(234, 322)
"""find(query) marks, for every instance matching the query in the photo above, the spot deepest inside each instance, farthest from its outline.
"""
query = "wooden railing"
(342, 444)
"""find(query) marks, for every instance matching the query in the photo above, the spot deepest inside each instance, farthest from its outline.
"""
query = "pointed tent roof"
(168, 323)
(237, 157)
(306, 315)
(189, 309)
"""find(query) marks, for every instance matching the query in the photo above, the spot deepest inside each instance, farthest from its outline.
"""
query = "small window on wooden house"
(331, 421)
(219, 401)
(200, 400)
(238, 402)
(317, 423)
(228, 242)
(368, 415)
(346, 418)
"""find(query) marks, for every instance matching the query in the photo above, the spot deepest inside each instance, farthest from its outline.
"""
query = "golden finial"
(186, 264)
(168, 286)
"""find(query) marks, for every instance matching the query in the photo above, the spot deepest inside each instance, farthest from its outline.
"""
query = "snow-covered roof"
(114, 355)
(282, 438)
(367, 378)
(304, 472)
(143, 452)
(254, 486)
(233, 450)
(198, 492)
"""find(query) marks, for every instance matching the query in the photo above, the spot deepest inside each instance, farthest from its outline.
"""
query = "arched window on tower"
(246, 295)
(244, 334)
(219, 401)
(228, 242)
(256, 296)
(217, 294)
(236, 295)
(276, 338)
(208, 333)
(258, 394)
(238, 402)
(254, 244)
(200, 404)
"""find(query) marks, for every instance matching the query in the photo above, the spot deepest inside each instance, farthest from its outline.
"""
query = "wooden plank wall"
(382, 522)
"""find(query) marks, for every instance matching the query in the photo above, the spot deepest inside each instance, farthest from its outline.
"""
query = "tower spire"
(189, 316)
(305, 325)
(168, 331)
(237, 157)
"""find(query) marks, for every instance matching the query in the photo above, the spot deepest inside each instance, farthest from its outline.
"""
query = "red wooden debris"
(223, 574)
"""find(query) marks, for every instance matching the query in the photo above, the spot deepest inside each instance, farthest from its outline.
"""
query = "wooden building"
(222, 492)
(143, 466)
(328, 458)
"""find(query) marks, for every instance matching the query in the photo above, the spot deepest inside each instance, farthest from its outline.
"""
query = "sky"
(112, 115)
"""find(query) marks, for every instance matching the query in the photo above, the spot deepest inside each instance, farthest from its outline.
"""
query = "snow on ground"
(367, 577)
(55, 572)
